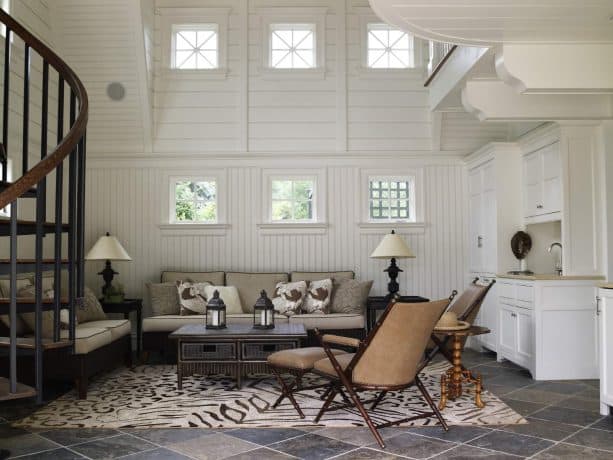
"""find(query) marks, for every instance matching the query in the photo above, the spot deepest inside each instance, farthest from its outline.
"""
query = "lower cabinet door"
(507, 331)
(605, 319)
(525, 345)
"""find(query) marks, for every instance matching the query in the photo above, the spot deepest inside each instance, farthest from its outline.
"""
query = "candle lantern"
(216, 312)
(263, 313)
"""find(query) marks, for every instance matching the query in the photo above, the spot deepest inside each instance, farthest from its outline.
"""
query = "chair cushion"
(249, 286)
(229, 295)
(325, 365)
(89, 338)
(299, 358)
(329, 321)
(216, 278)
(314, 276)
(118, 327)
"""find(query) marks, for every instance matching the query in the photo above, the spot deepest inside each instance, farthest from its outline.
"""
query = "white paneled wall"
(125, 200)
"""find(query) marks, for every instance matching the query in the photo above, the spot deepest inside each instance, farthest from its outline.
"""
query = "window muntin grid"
(196, 47)
(195, 201)
(389, 48)
(391, 199)
(292, 200)
(292, 46)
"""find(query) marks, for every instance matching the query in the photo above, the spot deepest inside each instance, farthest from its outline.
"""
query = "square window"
(292, 200)
(195, 47)
(195, 201)
(292, 46)
(389, 48)
(395, 203)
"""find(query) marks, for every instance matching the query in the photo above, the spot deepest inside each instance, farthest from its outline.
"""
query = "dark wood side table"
(126, 307)
(378, 303)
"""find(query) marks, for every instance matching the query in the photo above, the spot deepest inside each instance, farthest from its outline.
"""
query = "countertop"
(550, 277)
(606, 285)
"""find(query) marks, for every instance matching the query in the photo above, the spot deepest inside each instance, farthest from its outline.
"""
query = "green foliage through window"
(292, 200)
(195, 201)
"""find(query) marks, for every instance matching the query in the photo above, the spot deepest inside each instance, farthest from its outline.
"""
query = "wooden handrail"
(440, 65)
(77, 130)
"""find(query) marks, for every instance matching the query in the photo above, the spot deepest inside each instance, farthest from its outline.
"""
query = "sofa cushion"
(118, 327)
(216, 278)
(89, 338)
(170, 323)
(314, 276)
(249, 286)
(229, 295)
(329, 321)
(163, 298)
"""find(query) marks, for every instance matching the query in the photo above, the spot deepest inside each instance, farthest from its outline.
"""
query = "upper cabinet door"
(533, 194)
(552, 184)
(476, 211)
(542, 184)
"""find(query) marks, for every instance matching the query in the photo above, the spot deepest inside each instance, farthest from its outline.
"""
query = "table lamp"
(107, 248)
(392, 246)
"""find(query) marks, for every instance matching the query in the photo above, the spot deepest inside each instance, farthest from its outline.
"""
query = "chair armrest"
(340, 340)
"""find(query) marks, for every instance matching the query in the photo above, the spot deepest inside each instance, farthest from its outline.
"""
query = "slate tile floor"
(563, 416)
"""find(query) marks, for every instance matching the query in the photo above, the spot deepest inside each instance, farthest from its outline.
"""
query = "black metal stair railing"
(32, 185)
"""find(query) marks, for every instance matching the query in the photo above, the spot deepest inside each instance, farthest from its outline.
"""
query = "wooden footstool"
(297, 362)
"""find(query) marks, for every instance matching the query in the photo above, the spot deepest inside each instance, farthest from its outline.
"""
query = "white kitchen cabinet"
(549, 326)
(542, 184)
(605, 333)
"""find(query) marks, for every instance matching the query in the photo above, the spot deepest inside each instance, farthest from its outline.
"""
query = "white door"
(552, 186)
(525, 334)
(533, 200)
(475, 209)
(507, 343)
(605, 319)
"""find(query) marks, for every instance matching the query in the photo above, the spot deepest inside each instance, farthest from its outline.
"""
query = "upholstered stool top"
(299, 358)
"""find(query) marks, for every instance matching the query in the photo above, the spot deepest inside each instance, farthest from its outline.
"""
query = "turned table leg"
(479, 403)
(443, 402)
(455, 390)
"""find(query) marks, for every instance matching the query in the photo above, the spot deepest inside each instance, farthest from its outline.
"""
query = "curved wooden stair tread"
(33, 261)
(30, 193)
(27, 343)
(28, 227)
(23, 391)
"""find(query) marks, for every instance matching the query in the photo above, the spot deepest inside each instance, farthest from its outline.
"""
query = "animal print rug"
(147, 397)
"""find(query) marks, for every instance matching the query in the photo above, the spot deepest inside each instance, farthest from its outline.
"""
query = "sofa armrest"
(340, 340)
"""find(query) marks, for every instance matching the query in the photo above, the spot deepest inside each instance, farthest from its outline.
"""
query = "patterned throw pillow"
(192, 297)
(318, 297)
(164, 299)
(91, 310)
(47, 317)
(5, 291)
(350, 296)
(230, 297)
(288, 297)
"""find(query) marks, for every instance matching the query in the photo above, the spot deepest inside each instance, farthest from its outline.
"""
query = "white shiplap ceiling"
(488, 22)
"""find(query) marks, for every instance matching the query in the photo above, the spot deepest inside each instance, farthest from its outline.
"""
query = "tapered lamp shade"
(107, 248)
(392, 246)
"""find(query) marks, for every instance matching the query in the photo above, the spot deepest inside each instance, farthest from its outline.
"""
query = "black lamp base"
(392, 287)
(107, 275)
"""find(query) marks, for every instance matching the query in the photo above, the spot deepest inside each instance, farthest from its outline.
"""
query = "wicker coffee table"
(237, 350)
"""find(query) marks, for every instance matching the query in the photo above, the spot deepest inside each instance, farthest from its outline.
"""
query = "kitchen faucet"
(558, 265)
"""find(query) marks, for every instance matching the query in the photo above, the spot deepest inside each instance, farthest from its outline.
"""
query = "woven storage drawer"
(261, 350)
(208, 351)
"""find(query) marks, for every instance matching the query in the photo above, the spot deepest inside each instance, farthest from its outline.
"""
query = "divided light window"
(389, 48)
(195, 201)
(391, 199)
(292, 200)
(292, 46)
(195, 47)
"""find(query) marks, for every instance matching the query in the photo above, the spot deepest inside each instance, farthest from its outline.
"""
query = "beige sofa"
(249, 285)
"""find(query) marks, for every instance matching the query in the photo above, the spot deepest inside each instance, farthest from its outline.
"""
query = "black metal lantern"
(216, 312)
(263, 313)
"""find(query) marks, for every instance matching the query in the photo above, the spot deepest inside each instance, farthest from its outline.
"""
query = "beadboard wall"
(124, 199)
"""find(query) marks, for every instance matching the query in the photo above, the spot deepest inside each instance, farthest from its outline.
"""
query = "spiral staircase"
(59, 212)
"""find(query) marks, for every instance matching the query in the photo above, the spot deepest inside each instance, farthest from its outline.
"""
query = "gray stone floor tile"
(598, 439)
(536, 396)
(165, 436)
(70, 436)
(263, 453)
(26, 444)
(455, 433)
(217, 446)
(7, 431)
(500, 390)
(564, 451)
(114, 447)
(265, 436)
(590, 405)
(365, 453)
(55, 454)
(562, 387)
(414, 446)
(464, 452)
(358, 436)
(511, 443)
(523, 407)
(313, 446)
(606, 423)
(160, 453)
(564, 415)
(546, 429)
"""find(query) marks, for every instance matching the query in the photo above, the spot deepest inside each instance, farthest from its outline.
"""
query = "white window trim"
(418, 197)
(318, 225)
(368, 17)
(177, 28)
(170, 17)
(169, 226)
(293, 15)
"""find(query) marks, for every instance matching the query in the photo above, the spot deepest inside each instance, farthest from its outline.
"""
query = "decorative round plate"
(521, 243)
(460, 327)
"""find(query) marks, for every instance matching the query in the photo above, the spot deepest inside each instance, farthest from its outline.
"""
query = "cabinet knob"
(539, 206)
(479, 241)
(597, 306)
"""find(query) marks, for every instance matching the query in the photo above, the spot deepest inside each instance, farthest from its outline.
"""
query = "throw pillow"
(90, 310)
(288, 297)
(229, 295)
(5, 286)
(192, 297)
(5, 290)
(350, 296)
(318, 296)
(47, 316)
(164, 299)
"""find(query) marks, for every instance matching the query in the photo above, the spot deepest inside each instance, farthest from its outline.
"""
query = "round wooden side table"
(453, 379)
